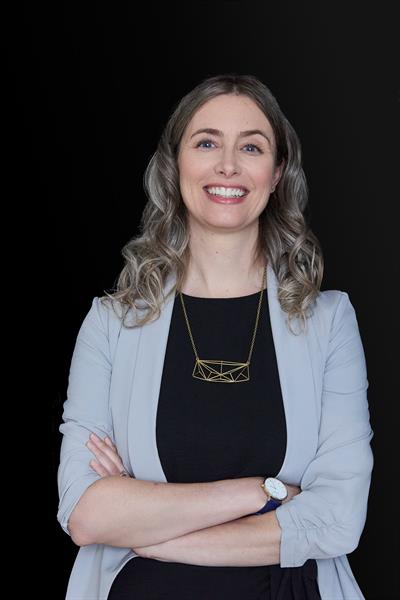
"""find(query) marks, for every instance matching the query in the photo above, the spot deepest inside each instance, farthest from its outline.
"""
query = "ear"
(278, 174)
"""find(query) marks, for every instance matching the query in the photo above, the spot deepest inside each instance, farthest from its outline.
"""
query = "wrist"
(292, 492)
(262, 496)
(275, 492)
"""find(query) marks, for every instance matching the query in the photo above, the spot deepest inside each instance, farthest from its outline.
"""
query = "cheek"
(194, 166)
(264, 176)
(190, 182)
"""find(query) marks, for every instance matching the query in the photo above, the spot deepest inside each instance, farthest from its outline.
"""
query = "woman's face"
(218, 165)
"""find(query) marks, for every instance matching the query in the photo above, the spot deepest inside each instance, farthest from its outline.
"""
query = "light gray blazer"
(113, 390)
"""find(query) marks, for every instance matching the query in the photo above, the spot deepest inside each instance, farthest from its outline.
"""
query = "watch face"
(275, 488)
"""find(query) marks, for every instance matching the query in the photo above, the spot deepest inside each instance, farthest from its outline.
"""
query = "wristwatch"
(276, 492)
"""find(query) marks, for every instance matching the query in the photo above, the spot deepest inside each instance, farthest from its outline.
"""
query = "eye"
(203, 142)
(259, 151)
(255, 149)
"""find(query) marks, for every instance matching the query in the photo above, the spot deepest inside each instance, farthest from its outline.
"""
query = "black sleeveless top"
(208, 431)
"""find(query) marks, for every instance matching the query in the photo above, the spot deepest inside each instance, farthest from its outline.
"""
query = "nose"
(227, 163)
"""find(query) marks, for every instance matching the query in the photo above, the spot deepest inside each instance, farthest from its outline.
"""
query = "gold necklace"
(223, 371)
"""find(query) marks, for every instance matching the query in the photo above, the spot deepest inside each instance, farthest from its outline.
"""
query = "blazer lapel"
(297, 385)
(142, 416)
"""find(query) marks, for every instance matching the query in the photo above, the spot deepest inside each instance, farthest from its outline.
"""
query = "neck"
(223, 265)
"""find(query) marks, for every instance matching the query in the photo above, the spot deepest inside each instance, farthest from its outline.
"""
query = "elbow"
(78, 531)
(340, 539)
(300, 544)
(78, 538)
(349, 531)
(82, 522)
(350, 539)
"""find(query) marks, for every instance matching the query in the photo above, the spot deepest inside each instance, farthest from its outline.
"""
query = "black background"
(88, 91)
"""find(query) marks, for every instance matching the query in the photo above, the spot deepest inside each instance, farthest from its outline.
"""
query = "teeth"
(226, 192)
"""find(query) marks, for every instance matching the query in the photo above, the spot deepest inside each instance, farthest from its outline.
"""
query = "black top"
(208, 431)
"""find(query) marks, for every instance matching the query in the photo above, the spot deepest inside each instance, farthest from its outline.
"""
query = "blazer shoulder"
(328, 300)
(105, 319)
(110, 312)
(329, 308)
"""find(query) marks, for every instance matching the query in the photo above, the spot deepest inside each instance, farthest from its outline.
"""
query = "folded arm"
(246, 541)
(127, 512)
(119, 511)
(327, 518)
(250, 541)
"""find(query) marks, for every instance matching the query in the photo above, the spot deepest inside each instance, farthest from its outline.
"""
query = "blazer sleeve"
(328, 516)
(86, 409)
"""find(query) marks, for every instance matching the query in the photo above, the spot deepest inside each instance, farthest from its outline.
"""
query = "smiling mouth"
(226, 192)
(222, 199)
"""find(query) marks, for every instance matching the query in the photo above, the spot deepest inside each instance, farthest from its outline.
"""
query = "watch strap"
(270, 505)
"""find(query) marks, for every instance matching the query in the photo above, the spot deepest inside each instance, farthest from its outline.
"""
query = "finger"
(108, 450)
(112, 465)
(105, 444)
(100, 470)
(109, 443)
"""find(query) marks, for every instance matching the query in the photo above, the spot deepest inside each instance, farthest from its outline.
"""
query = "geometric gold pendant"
(221, 371)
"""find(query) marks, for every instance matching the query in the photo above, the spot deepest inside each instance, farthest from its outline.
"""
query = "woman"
(257, 489)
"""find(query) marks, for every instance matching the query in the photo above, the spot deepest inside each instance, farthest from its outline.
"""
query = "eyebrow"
(242, 134)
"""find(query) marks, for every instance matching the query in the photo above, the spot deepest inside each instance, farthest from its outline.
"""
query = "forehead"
(229, 113)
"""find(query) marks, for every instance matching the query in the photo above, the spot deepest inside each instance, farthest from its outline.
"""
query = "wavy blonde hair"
(162, 245)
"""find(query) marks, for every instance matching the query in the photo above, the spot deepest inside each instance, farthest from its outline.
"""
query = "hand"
(293, 490)
(157, 551)
(145, 551)
(108, 462)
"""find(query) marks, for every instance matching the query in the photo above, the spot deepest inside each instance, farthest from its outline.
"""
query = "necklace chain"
(254, 332)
